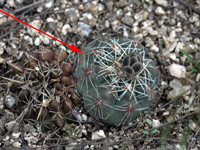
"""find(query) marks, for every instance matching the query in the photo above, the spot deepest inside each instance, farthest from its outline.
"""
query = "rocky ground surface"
(163, 26)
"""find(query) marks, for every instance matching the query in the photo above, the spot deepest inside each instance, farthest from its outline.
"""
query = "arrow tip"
(75, 49)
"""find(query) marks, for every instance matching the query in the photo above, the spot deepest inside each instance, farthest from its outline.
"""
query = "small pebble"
(177, 70)
(162, 2)
(156, 123)
(97, 135)
(10, 101)
(159, 11)
(154, 48)
(16, 144)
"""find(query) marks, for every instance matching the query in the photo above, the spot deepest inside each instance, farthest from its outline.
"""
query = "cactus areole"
(116, 79)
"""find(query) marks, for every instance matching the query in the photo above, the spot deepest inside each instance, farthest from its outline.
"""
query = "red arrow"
(73, 47)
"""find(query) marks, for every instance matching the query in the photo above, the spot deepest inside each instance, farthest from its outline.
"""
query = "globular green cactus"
(116, 79)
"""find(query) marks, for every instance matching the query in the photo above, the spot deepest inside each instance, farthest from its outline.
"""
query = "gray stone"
(127, 20)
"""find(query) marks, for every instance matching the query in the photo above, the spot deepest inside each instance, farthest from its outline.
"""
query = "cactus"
(116, 79)
(43, 82)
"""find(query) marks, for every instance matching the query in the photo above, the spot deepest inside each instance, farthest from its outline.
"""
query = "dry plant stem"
(189, 6)
(33, 5)
(193, 137)
(12, 80)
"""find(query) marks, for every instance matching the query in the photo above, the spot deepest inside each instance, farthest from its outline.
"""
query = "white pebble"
(125, 34)
(172, 56)
(37, 41)
(50, 20)
(46, 40)
(10, 101)
(162, 2)
(98, 135)
(49, 4)
(156, 123)
(84, 117)
(198, 77)
(178, 71)
(149, 121)
(154, 48)
(15, 135)
(107, 24)
(159, 11)
(166, 113)
(84, 132)
(64, 29)
(16, 144)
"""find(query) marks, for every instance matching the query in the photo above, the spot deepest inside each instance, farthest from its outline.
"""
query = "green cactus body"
(116, 80)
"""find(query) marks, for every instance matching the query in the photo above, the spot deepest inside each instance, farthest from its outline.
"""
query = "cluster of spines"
(43, 82)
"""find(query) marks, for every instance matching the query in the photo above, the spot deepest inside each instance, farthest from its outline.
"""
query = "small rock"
(49, 4)
(98, 135)
(177, 89)
(65, 29)
(81, 7)
(15, 135)
(37, 41)
(30, 139)
(85, 28)
(107, 24)
(119, 13)
(177, 70)
(11, 3)
(46, 40)
(9, 116)
(84, 132)
(192, 125)
(162, 2)
(159, 11)
(110, 5)
(172, 56)
(135, 30)
(197, 40)
(125, 34)
(37, 24)
(10, 101)
(127, 20)
(16, 144)
(91, 7)
(156, 123)
(138, 36)
(142, 15)
(100, 7)
(190, 47)
(164, 85)
(84, 117)
(198, 77)
(122, 3)
(154, 48)
(2, 46)
(1, 61)
(166, 113)
(149, 121)
(10, 124)
(88, 17)
(179, 46)
(173, 45)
